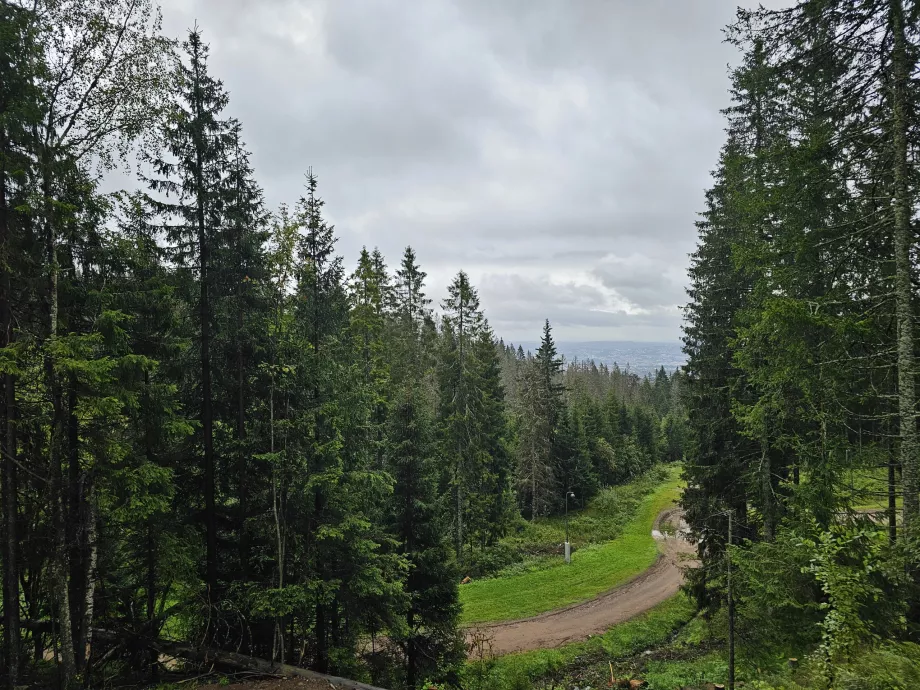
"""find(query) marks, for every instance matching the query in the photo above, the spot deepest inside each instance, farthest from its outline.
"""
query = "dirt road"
(594, 617)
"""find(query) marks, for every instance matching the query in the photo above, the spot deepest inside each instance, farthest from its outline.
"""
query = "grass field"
(594, 568)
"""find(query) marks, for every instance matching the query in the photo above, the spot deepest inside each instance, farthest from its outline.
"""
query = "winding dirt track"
(577, 622)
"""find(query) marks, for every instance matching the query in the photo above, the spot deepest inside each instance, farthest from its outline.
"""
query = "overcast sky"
(556, 150)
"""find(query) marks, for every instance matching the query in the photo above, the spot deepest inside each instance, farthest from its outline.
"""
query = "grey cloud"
(641, 282)
(522, 303)
(505, 138)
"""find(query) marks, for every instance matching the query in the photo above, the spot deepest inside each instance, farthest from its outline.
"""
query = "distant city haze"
(638, 357)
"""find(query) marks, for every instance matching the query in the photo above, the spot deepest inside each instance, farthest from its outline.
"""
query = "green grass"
(868, 488)
(594, 569)
(708, 668)
(518, 671)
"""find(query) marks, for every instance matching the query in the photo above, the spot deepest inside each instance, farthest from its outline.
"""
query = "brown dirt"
(577, 622)
(286, 684)
(280, 684)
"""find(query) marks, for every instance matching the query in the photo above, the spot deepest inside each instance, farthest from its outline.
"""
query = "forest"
(800, 331)
(217, 432)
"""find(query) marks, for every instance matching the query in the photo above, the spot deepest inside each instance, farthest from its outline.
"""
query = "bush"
(891, 667)
(491, 560)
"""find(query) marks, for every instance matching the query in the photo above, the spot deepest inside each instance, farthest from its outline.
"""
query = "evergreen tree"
(239, 275)
(429, 640)
(199, 144)
(534, 436)
(20, 60)
(457, 372)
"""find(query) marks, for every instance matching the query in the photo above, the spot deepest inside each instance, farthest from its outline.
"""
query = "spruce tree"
(239, 271)
(20, 60)
(429, 640)
(462, 323)
(191, 190)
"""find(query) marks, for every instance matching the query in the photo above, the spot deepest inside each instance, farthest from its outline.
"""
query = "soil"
(284, 684)
(594, 617)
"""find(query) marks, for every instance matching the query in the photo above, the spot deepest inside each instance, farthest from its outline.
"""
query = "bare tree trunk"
(910, 444)
(84, 647)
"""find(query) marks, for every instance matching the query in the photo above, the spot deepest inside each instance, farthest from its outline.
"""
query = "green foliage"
(800, 337)
(863, 585)
(211, 434)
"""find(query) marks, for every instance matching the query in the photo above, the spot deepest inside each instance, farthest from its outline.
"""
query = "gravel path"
(577, 622)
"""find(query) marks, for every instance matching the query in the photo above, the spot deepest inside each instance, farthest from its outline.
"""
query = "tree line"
(214, 431)
(800, 334)
(584, 426)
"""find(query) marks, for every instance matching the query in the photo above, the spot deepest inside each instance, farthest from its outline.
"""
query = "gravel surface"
(573, 623)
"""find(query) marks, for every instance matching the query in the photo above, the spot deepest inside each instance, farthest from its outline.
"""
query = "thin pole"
(566, 517)
(731, 611)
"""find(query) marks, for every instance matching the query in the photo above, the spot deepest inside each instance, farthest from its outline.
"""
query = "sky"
(557, 151)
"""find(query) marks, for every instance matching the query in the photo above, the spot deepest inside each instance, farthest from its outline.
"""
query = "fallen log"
(251, 663)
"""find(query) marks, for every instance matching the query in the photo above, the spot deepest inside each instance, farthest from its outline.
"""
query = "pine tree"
(550, 366)
(462, 324)
(20, 60)
(429, 641)
(718, 454)
(199, 143)
(492, 505)
(238, 288)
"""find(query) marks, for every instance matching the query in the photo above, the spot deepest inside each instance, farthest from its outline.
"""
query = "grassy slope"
(593, 570)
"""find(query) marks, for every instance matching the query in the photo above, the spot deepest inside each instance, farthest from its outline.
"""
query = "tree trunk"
(151, 594)
(458, 491)
(88, 578)
(322, 642)
(74, 527)
(910, 444)
(204, 317)
(8, 486)
(56, 496)
(242, 465)
(766, 488)
(210, 656)
(10, 541)
(207, 416)
(892, 502)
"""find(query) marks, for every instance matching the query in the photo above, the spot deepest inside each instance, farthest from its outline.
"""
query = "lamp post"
(568, 550)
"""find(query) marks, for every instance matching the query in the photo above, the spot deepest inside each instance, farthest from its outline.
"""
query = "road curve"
(572, 623)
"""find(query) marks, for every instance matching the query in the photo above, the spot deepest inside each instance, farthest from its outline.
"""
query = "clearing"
(594, 569)
(652, 587)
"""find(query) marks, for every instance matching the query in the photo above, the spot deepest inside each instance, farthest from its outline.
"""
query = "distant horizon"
(589, 342)
(638, 356)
